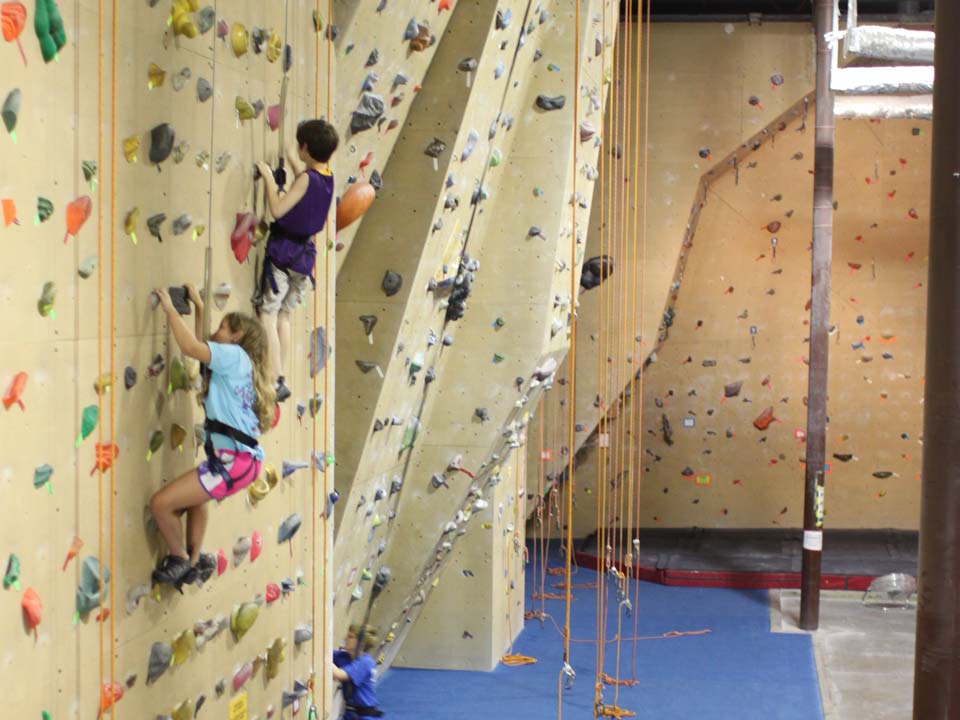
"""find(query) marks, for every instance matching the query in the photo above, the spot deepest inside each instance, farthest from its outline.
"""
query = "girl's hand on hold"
(164, 299)
(265, 171)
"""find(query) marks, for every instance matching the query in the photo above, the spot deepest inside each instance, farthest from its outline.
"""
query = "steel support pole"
(819, 325)
(937, 665)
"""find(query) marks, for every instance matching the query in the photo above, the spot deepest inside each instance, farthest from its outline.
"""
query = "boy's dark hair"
(320, 137)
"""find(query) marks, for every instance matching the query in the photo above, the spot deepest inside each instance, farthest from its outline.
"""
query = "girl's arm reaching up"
(197, 301)
(186, 340)
(280, 205)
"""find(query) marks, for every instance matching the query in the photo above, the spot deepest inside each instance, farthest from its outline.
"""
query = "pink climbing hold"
(241, 239)
(256, 545)
(273, 593)
(273, 117)
(242, 675)
(221, 562)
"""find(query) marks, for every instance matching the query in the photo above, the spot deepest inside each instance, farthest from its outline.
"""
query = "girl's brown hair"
(254, 343)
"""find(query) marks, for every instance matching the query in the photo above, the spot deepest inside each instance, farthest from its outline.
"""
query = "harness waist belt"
(215, 426)
(290, 235)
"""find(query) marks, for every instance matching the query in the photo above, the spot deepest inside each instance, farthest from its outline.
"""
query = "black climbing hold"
(375, 180)
(367, 112)
(545, 102)
(595, 271)
(392, 282)
(373, 58)
(161, 142)
(129, 377)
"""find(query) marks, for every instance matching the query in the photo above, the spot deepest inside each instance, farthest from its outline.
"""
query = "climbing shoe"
(206, 566)
(173, 570)
(283, 392)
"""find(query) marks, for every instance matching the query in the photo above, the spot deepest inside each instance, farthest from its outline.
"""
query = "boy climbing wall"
(298, 214)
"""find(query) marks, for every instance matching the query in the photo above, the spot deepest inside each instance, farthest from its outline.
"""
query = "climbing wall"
(440, 387)
(164, 218)
(713, 86)
(724, 403)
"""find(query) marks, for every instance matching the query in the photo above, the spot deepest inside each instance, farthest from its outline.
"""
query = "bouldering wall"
(444, 354)
(728, 384)
(712, 87)
(78, 304)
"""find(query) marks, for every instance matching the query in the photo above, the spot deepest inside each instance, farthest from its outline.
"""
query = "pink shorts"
(243, 469)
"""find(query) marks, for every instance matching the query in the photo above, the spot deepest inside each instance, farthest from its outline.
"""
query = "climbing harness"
(212, 427)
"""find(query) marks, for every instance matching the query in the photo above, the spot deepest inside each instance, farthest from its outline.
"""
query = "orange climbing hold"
(75, 546)
(110, 694)
(15, 391)
(354, 203)
(9, 212)
(32, 608)
(13, 17)
(764, 419)
(443, 5)
(106, 454)
(77, 213)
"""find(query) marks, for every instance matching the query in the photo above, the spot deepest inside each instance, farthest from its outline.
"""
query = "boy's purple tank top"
(304, 219)
(309, 215)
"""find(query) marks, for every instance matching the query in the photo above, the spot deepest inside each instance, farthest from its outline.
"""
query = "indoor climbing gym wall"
(441, 353)
(712, 87)
(723, 394)
(131, 133)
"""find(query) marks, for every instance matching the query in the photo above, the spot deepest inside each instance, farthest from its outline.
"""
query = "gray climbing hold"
(240, 550)
(776, 79)
(367, 113)
(318, 352)
(438, 480)
(368, 83)
(395, 485)
(537, 55)
(499, 70)
(503, 19)
(587, 130)
(220, 687)
(365, 366)
(482, 414)
(375, 180)
(129, 377)
(545, 102)
(88, 591)
(289, 527)
(467, 65)
(472, 138)
(87, 266)
(429, 376)
(302, 634)
(535, 231)
(411, 30)
(435, 148)
(398, 80)
(206, 19)
(392, 282)
(369, 323)
(377, 425)
(161, 654)
(732, 389)
(153, 225)
(181, 224)
(373, 58)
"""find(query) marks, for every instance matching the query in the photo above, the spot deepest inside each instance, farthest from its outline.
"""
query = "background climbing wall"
(711, 469)
(200, 186)
(426, 453)
(714, 375)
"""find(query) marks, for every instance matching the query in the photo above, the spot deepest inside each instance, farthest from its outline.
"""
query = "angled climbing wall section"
(454, 299)
(129, 146)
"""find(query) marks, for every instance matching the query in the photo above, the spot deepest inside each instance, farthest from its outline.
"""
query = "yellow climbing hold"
(239, 39)
(244, 109)
(130, 224)
(181, 20)
(183, 645)
(103, 383)
(155, 76)
(275, 657)
(183, 711)
(242, 618)
(131, 146)
(274, 46)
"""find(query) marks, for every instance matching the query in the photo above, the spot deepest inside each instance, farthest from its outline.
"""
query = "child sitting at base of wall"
(298, 215)
(356, 670)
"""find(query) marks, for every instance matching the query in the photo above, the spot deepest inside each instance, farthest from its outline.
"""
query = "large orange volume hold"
(354, 203)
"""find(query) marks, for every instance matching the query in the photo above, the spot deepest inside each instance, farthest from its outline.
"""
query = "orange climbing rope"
(511, 659)
(113, 330)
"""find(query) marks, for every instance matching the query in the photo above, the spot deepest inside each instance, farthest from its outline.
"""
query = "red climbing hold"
(106, 454)
(77, 213)
(764, 419)
(256, 545)
(15, 391)
(110, 694)
(241, 239)
(354, 203)
(32, 608)
(221, 562)
(273, 593)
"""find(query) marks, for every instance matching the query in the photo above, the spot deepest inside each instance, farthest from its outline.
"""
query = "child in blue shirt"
(298, 215)
(239, 403)
(356, 670)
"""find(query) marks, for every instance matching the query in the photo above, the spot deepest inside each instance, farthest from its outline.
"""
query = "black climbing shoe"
(172, 570)
(283, 392)
(205, 567)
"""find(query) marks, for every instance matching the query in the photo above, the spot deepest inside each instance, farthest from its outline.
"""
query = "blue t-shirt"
(230, 396)
(363, 674)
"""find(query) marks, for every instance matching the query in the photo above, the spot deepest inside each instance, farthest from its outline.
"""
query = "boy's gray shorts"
(291, 287)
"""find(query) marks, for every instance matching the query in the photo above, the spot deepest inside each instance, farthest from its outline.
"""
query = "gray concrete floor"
(864, 654)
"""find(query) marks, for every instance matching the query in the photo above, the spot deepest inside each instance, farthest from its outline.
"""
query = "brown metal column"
(819, 326)
(936, 694)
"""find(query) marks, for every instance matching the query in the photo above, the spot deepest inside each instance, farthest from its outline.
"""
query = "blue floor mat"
(737, 670)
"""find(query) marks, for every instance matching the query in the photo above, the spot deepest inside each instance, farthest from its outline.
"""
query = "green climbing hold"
(47, 297)
(91, 414)
(45, 715)
(48, 25)
(88, 591)
(89, 168)
(44, 209)
(41, 475)
(179, 380)
(495, 158)
(11, 109)
(12, 576)
(156, 442)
